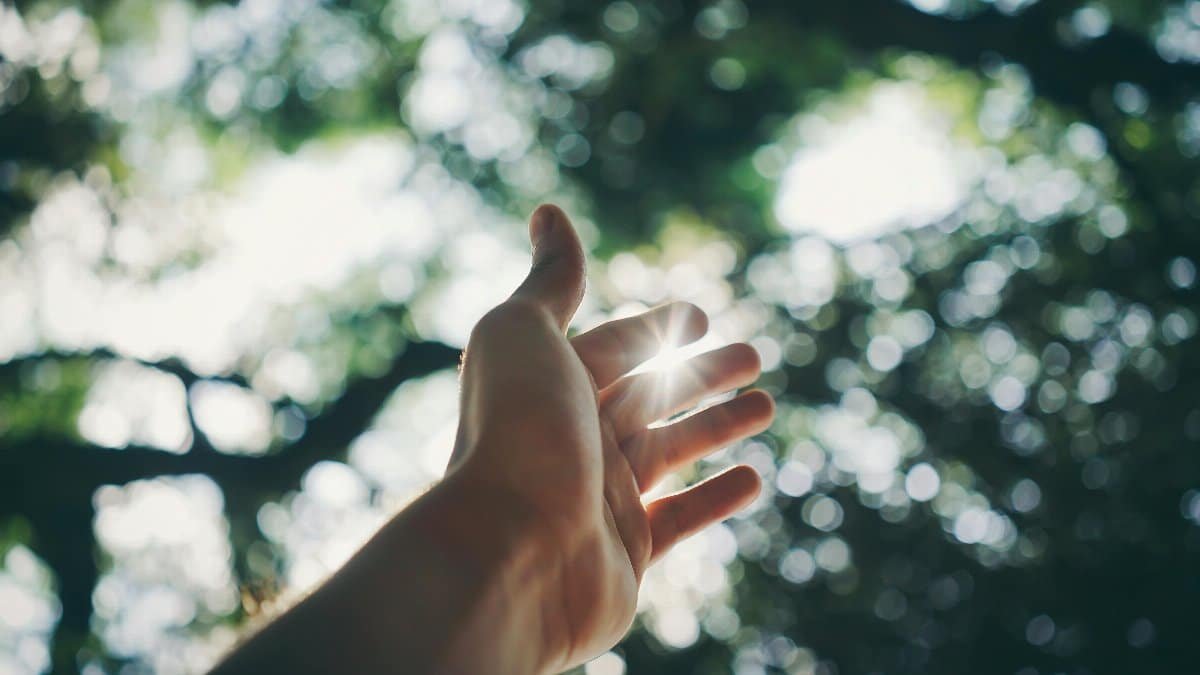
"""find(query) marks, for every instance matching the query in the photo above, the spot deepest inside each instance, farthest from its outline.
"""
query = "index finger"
(614, 348)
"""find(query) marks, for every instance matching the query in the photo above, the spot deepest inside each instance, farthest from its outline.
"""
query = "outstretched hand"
(527, 556)
(560, 428)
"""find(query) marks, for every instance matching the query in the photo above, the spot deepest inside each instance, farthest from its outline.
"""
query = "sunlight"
(29, 611)
(673, 352)
(896, 150)
(266, 229)
(671, 355)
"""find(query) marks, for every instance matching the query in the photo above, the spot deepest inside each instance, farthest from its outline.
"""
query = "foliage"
(244, 241)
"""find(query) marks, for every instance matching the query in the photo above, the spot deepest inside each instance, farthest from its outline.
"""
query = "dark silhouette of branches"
(51, 480)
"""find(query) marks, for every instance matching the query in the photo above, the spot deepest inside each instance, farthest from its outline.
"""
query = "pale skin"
(528, 555)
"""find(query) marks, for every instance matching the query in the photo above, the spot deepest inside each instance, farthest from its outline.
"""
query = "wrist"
(483, 527)
(493, 548)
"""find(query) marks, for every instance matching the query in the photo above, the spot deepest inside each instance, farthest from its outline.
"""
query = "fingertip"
(692, 320)
(731, 490)
(759, 406)
(558, 277)
(760, 400)
(554, 237)
(543, 221)
(744, 484)
(745, 358)
(740, 486)
(755, 358)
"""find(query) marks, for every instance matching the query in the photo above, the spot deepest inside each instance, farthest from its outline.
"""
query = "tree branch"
(51, 480)
(173, 365)
(36, 467)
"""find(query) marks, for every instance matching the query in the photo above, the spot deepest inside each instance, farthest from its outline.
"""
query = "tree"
(982, 460)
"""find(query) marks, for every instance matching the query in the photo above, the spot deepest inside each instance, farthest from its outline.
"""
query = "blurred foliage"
(986, 454)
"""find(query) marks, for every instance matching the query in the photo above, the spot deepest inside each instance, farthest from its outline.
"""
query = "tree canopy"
(242, 244)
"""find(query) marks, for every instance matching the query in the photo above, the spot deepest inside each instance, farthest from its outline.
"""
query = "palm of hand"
(561, 427)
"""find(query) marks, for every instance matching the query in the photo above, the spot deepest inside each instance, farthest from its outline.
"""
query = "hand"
(527, 557)
(555, 430)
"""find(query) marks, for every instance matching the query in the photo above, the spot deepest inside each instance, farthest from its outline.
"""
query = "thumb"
(556, 279)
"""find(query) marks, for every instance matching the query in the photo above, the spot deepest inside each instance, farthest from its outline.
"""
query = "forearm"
(448, 586)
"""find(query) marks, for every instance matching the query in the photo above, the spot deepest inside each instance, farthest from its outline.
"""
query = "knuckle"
(642, 460)
(673, 517)
(695, 319)
(745, 354)
(710, 428)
